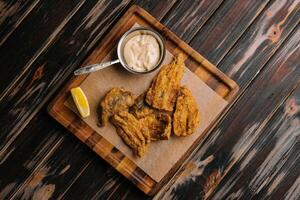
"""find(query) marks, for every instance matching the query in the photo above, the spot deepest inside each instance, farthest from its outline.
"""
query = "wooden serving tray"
(221, 85)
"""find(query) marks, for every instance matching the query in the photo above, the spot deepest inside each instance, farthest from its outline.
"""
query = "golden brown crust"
(148, 117)
(140, 109)
(116, 100)
(159, 126)
(187, 116)
(159, 123)
(132, 131)
(164, 87)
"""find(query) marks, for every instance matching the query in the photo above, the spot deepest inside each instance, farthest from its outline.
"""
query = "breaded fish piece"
(116, 100)
(140, 109)
(159, 126)
(164, 87)
(159, 123)
(187, 116)
(132, 131)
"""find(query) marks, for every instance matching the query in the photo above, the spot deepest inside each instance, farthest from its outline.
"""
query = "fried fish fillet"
(187, 116)
(164, 87)
(116, 100)
(140, 109)
(132, 131)
(159, 123)
(159, 126)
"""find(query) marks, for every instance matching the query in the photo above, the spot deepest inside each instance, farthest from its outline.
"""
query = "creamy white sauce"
(142, 52)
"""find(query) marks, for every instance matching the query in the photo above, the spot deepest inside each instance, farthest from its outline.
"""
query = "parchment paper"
(161, 155)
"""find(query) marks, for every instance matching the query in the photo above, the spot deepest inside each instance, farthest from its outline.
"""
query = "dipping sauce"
(142, 52)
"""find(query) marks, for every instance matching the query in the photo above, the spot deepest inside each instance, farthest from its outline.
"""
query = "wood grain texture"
(52, 67)
(123, 187)
(115, 185)
(240, 129)
(35, 35)
(108, 181)
(69, 48)
(45, 177)
(225, 87)
(287, 16)
(271, 166)
(157, 9)
(42, 145)
(225, 27)
(49, 29)
(279, 13)
(262, 39)
(36, 84)
(22, 173)
(12, 14)
(193, 15)
(119, 187)
(37, 74)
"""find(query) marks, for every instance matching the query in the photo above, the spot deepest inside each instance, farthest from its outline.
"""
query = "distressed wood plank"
(225, 27)
(122, 188)
(272, 165)
(279, 14)
(105, 186)
(79, 32)
(119, 187)
(239, 130)
(44, 181)
(41, 146)
(23, 173)
(261, 40)
(156, 8)
(287, 16)
(70, 47)
(187, 17)
(37, 74)
(12, 13)
(8, 173)
(50, 68)
(126, 167)
(33, 37)
(98, 191)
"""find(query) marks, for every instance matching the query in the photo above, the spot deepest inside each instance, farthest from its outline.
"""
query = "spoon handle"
(94, 67)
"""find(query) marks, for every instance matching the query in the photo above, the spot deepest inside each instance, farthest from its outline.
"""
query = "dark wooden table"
(253, 153)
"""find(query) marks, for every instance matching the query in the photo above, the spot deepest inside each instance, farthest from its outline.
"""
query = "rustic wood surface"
(253, 153)
(207, 72)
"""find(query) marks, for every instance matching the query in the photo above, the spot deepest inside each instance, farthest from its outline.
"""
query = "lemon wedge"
(81, 101)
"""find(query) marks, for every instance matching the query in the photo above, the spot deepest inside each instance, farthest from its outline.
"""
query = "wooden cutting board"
(212, 89)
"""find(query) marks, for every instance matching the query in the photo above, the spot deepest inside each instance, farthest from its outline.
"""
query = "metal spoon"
(94, 67)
